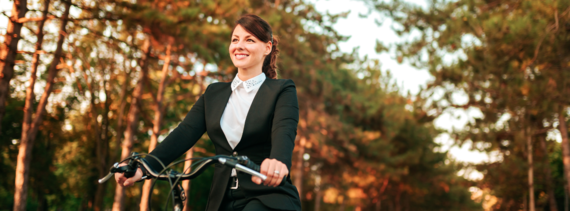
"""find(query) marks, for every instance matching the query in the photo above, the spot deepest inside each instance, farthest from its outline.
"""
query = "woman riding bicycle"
(255, 115)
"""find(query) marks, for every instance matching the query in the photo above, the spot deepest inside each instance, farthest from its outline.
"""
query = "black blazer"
(269, 132)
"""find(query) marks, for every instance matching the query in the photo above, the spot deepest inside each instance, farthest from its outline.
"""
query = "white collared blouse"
(235, 113)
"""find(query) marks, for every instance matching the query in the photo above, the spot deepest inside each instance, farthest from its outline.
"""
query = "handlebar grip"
(251, 165)
(131, 168)
(248, 163)
(242, 163)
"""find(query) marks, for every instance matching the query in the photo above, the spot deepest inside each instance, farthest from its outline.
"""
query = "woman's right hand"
(126, 182)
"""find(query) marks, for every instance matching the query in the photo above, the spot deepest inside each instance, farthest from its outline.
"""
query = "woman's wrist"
(144, 173)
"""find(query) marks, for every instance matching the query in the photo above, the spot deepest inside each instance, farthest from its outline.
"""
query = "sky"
(364, 32)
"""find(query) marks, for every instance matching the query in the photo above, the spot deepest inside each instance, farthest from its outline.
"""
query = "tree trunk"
(30, 97)
(157, 122)
(318, 192)
(42, 202)
(123, 100)
(186, 183)
(548, 176)
(565, 145)
(525, 203)
(397, 205)
(30, 128)
(342, 204)
(133, 117)
(9, 50)
(530, 152)
(122, 106)
(97, 133)
(102, 147)
(566, 200)
(381, 192)
(298, 177)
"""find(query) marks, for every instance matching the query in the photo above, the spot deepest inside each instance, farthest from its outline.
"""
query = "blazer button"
(235, 154)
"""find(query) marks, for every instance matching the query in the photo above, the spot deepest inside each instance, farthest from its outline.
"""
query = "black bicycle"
(240, 163)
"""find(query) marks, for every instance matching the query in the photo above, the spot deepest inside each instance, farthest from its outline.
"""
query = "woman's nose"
(240, 45)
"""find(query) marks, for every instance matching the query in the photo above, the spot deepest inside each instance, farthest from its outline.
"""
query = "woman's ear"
(268, 47)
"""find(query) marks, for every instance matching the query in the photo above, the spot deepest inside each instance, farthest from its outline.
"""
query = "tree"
(133, 117)
(365, 139)
(29, 131)
(504, 65)
(9, 50)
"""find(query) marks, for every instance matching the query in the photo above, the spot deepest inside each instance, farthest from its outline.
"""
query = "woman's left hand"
(274, 170)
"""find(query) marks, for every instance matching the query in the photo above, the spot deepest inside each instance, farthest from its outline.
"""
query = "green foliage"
(11, 130)
(510, 59)
(368, 145)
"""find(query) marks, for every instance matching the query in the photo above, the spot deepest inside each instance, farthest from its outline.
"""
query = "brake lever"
(129, 170)
(111, 173)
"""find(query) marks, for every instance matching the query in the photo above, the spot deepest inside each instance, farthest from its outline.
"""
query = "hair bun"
(270, 63)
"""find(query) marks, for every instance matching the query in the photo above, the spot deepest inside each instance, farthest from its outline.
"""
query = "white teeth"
(240, 56)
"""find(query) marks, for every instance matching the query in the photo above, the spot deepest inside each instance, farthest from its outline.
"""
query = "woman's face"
(247, 52)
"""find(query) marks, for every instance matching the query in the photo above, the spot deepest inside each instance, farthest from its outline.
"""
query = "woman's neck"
(246, 74)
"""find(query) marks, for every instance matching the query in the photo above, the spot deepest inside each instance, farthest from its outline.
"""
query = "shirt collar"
(250, 84)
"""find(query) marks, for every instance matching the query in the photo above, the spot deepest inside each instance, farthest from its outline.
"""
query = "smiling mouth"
(241, 56)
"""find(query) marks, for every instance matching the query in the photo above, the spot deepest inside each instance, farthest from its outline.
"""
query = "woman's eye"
(234, 40)
(249, 40)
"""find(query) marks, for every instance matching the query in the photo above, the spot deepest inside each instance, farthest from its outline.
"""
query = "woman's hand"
(125, 182)
(275, 171)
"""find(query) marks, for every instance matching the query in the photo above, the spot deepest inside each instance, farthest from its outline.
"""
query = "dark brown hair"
(262, 31)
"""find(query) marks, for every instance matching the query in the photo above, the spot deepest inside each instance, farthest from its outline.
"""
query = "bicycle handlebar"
(240, 163)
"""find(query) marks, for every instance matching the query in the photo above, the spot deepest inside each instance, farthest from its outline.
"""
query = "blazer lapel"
(219, 105)
(256, 103)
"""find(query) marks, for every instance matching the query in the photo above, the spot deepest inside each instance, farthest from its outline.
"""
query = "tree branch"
(35, 19)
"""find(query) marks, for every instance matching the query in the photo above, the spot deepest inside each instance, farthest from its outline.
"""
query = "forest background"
(84, 83)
